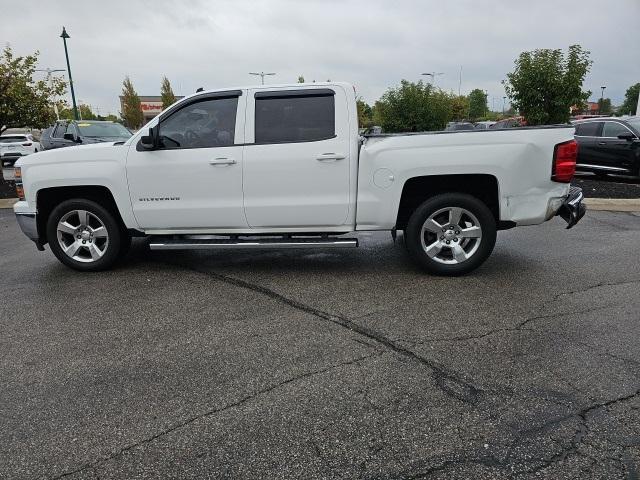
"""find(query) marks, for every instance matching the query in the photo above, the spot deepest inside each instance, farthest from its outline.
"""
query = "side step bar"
(172, 243)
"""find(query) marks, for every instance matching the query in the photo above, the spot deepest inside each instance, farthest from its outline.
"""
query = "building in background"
(151, 106)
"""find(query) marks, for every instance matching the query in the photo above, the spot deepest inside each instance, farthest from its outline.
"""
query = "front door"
(297, 159)
(614, 152)
(194, 179)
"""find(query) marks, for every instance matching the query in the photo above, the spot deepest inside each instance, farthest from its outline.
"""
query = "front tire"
(84, 235)
(451, 234)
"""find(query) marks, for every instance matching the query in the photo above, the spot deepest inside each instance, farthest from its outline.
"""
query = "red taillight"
(28, 144)
(564, 161)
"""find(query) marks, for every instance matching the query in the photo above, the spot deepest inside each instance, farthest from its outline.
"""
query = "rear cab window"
(292, 116)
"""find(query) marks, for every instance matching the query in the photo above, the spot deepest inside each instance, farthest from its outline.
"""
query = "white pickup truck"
(285, 167)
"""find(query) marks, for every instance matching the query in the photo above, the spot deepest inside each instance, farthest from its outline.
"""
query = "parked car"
(510, 123)
(16, 145)
(68, 133)
(609, 145)
(457, 126)
(484, 125)
(284, 167)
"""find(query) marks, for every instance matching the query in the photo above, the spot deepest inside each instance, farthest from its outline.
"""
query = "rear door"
(297, 158)
(587, 136)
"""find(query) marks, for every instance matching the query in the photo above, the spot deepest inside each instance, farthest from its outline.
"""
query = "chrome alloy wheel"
(82, 236)
(451, 235)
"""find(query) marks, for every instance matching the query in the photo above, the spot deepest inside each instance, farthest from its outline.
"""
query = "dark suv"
(609, 145)
(66, 133)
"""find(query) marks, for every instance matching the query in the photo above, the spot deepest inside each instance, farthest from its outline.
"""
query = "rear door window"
(589, 129)
(285, 117)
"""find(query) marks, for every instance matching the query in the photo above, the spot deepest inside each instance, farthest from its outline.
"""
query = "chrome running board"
(183, 243)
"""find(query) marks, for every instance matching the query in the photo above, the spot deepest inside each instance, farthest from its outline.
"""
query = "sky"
(372, 44)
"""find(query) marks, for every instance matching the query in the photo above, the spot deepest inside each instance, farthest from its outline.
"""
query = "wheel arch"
(416, 190)
(48, 198)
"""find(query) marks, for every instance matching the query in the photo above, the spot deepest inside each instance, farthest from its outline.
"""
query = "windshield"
(103, 130)
(14, 138)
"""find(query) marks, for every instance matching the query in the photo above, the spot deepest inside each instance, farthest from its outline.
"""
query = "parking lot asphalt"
(326, 364)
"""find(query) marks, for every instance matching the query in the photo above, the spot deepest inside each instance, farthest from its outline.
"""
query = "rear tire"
(451, 234)
(84, 235)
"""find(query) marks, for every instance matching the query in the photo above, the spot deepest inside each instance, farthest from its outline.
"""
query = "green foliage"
(546, 83)
(300, 79)
(604, 106)
(85, 111)
(23, 101)
(131, 111)
(413, 107)
(477, 104)
(365, 114)
(459, 108)
(630, 103)
(166, 93)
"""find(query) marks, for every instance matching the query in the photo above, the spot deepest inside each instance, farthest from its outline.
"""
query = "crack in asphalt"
(581, 432)
(448, 381)
(247, 398)
(520, 327)
(593, 287)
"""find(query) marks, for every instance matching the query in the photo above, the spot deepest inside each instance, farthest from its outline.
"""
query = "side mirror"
(627, 136)
(71, 137)
(150, 141)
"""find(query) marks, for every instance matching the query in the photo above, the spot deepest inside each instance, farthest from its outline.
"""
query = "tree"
(131, 109)
(459, 107)
(477, 104)
(365, 113)
(630, 104)
(604, 106)
(85, 111)
(23, 101)
(166, 93)
(413, 107)
(545, 84)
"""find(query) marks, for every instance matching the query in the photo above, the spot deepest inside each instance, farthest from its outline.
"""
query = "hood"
(92, 152)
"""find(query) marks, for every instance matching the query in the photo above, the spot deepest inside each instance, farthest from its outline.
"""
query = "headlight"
(19, 187)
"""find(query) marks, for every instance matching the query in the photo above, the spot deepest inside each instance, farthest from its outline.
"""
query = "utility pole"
(50, 71)
(261, 75)
(433, 76)
(64, 35)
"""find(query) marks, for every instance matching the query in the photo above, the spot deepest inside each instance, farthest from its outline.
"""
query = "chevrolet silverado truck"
(285, 167)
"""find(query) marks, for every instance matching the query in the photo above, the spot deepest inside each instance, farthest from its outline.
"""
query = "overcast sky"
(373, 44)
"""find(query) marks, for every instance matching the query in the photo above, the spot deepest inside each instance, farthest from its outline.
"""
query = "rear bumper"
(572, 209)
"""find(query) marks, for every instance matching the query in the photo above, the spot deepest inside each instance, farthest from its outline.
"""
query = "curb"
(603, 204)
(613, 204)
(7, 202)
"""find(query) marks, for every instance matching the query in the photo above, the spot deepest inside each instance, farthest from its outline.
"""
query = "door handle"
(330, 156)
(602, 143)
(222, 161)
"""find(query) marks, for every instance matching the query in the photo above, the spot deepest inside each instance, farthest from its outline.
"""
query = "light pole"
(433, 76)
(261, 75)
(50, 82)
(486, 102)
(503, 100)
(601, 99)
(64, 35)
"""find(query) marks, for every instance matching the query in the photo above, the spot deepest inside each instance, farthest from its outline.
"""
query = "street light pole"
(601, 99)
(503, 100)
(64, 35)
(261, 75)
